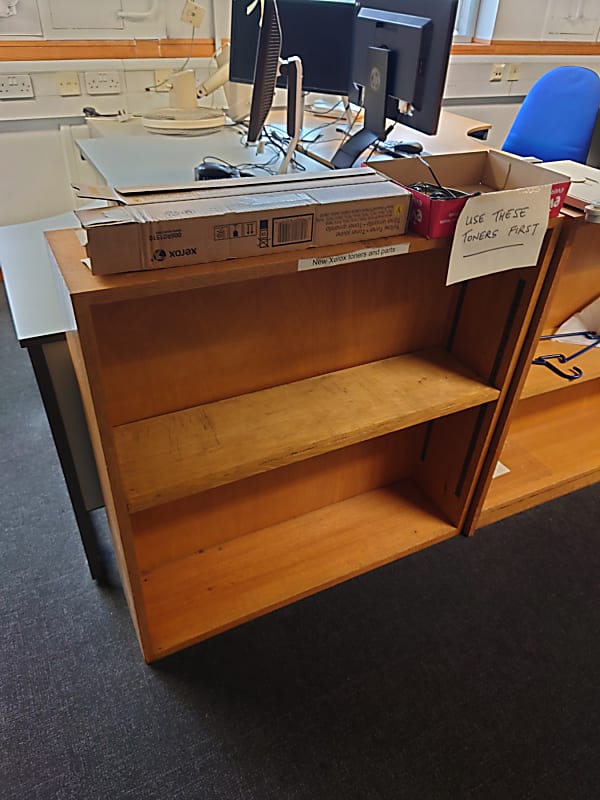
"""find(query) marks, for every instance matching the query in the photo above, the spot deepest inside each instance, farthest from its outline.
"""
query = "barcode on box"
(292, 230)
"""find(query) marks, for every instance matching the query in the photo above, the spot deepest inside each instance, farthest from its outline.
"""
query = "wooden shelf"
(541, 380)
(175, 455)
(553, 447)
(256, 573)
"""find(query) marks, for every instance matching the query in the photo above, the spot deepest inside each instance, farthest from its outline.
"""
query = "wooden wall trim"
(522, 48)
(81, 50)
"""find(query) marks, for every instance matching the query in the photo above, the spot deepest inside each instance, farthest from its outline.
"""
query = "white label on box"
(356, 255)
(498, 231)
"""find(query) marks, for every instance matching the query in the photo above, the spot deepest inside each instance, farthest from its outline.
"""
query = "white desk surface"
(37, 305)
(453, 136)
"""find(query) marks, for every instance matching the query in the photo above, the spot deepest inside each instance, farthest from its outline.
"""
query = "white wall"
(520, 19)
(529, 19)
(36, 173)
(34, 179)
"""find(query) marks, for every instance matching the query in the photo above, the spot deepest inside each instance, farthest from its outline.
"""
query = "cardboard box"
(478, 171)
(217, 220)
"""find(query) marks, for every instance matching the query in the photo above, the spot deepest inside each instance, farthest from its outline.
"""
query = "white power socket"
(16, 87)
(514, 72)
(193, 13)
(102, 83)
(497, 73)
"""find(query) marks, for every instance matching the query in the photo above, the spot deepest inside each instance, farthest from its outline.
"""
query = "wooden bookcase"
(552, 445)
(264, 433)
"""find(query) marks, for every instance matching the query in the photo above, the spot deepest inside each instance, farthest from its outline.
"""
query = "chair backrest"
(556, 120)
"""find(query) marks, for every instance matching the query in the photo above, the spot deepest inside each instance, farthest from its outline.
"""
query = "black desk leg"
(88, 534)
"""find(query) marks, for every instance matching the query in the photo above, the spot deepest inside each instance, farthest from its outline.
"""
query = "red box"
(479, 171)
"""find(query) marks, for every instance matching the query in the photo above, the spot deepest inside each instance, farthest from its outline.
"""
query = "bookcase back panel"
(174, 530)
(173, 351)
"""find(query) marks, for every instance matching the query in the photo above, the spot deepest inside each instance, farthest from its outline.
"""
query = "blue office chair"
(556, 120)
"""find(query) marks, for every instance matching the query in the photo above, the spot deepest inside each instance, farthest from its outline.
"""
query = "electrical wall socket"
(193, 13)
(102, 83)
(68, 84)
(497, 72)
(514, 72)
(16, 87)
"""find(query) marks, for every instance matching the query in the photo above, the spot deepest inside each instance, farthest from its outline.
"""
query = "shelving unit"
(552, 446)
(264, 433)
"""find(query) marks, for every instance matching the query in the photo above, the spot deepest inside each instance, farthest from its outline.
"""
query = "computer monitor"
(401, 52)
(266, 69)
(318, 31)
(593, 156)
(268, 65)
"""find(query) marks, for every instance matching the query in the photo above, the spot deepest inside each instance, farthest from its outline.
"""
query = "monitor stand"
(350, 151)
(374, 101)
(291, 68)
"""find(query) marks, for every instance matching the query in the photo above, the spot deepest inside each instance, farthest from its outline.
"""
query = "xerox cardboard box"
(479, 171)
(235, 219)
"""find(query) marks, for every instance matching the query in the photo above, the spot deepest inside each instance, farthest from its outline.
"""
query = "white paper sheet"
(499, 231)
(588, 319)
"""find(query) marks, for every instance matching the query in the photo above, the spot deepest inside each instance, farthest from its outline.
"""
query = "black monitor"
(266, 68)
(593, 155)
(401, 53)
(318, 31)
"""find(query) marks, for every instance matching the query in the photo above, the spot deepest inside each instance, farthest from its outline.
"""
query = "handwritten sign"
(499, 231)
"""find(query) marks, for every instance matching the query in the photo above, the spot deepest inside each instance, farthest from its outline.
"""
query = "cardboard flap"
(113, 215)
(138, 195)
(91, 192)
(497, 170)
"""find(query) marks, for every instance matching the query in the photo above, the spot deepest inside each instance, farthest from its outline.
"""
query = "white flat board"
(585, 182)
(34, 297)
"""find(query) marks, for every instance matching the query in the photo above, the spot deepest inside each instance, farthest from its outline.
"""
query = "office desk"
(124, 154)
(40, 318)
(456, 134)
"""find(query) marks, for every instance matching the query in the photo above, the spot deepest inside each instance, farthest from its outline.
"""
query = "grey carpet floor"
(469, 670)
